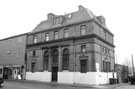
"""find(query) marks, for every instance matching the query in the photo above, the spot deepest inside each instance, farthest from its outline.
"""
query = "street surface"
(33, 85)
(126, 87)
(30, 85)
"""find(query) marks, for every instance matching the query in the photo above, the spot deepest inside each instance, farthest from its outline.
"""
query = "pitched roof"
(83, 14)
(80, 15)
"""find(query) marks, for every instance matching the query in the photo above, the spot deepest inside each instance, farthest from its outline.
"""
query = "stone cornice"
(71, 39)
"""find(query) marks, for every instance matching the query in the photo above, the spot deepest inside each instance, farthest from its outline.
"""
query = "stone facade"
(76, 45)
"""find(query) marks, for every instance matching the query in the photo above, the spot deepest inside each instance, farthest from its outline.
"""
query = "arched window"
(55, 56)
(45, 62)
(65, 59)
(83, 48)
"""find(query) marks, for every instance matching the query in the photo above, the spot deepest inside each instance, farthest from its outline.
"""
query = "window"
(83, 48)
(55, 56)
(103, 49)
(46, 58)
(83, 66)
(35, 38)
(66, 33)
(33, 66)
(56, 21)
(34, 53)
(55, 35)
(65, 59)
(83, 30)
(106, 50)
(106, 66)
(104, 35)
(47, 37)
(0, 71)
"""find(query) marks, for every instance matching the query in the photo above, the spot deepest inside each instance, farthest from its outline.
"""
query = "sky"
(21, 16)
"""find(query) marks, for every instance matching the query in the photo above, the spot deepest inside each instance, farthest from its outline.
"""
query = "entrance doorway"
(54, 74)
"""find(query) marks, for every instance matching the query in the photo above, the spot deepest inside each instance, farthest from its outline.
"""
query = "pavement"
(108, 86)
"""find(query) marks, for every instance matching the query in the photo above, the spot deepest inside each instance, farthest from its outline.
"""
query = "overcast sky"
(21, 16)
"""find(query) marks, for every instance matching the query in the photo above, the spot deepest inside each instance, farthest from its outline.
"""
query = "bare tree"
(127, 62)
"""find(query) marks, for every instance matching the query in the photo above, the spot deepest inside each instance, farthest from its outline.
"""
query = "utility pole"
(132, 65)
(116, 67)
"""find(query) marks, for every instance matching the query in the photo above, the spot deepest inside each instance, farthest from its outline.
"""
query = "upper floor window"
(35, 38)
(83, 30)
(34, 53)
(83, 48)
(47, 37)
(66, 33)
(55, 35)
(104, 35)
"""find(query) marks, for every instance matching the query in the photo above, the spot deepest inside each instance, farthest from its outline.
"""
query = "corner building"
(71, 48)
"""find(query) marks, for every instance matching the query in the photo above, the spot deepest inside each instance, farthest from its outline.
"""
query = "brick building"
(12, 56)
(122, 73)
(71, 48)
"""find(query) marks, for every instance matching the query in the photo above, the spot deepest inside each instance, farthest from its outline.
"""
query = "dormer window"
(58, 20)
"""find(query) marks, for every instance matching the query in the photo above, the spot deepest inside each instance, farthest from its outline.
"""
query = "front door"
(54, 73)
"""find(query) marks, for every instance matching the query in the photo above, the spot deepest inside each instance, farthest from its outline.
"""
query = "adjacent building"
(73, 48)
(122, 73)
(12, 56)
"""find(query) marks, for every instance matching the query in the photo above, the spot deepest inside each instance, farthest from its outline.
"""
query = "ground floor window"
(33, 66)
(46, 62)
(83, 65)
(65, 59)
(106, 66)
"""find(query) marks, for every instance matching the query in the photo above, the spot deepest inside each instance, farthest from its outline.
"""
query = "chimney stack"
(81, 7)
(50, 15)
(101, 19)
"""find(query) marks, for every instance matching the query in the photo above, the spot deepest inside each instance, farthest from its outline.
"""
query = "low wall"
(85, 78)
(91, 78)
(103, 78)
(39, 76)
(65, 77)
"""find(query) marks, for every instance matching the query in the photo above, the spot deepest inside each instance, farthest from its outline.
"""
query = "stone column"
(60, 59)
(50, 60)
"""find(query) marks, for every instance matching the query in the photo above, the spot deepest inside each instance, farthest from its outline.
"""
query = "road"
(30, 85)
(126, 87)
(33, 85)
